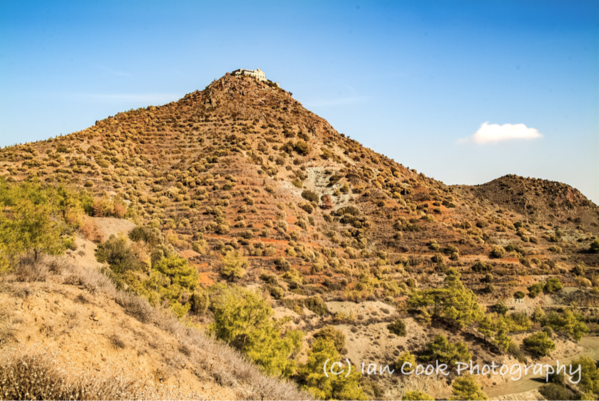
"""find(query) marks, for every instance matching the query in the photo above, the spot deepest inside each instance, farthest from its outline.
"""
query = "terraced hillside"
(330, 232)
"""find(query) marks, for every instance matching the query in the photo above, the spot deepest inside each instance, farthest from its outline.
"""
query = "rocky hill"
(243, 168)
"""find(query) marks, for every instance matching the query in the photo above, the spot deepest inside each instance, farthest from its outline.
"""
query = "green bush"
(519, 295)
(233, 265)
(416, 396)
(333, 387)
(316, 305)
(437, 258)
(333, 335)
(501, 308)
(118, 254)
(535, 290)
(497, 252)
(244, 320)
(481, 267)
(301, 147)
(466, 388)
(589, 374)
(145, 234)
(397, 327)
(445, 352)
(306, 207)
(453, 302)
(553, 284)
(405, 358)
(594, 247)
(310, 195)
(199, 301)
(38, 219)
(569, 323)
(539, 344)
(275, 291)
(518, 321)
(554, 391)
(282, 264)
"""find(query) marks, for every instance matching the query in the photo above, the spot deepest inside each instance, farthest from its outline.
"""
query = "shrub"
(553, 284)
(518, 321)
(316, 305)
(282, 264)
(306, 207)
(453, 302)
(515, 351)
(535, 290)
(445, 352)
(89, 229)
(178, 270)
(501, 308)
(105, 207)
(310, 195)
(569, 323)
(301, 147)
(199, 302)
(35, 221)
(519, 295)
(405, 359)
(589, 376)
(579, 269)
(244, 320)
(554, 391)
(337, 387)
(118, 254)
(466, 388)
(199, 246)
(594, 247)
(145, 234)
(497, 252)
(417, 395)
(397, 327)
(333, 335)
(233, 265)
(275, 291)
(539, 344)
(222, 229)
(437, 258)
(327, 202)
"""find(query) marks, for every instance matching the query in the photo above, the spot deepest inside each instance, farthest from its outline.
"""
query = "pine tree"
(454, 302)
(333, 387)
(233, 265)
(244, 320)
(539, 344)
(466, 388)
(445, 352)
(417, 396)
(406, 358)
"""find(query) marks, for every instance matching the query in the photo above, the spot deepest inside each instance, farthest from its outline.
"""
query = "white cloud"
(506, 132)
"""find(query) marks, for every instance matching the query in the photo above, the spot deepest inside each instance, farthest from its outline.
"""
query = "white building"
(257, 73)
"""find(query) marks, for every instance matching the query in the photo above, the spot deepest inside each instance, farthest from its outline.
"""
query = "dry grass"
(35, 376)
(228, 367)
(30, 270)
(90, 230)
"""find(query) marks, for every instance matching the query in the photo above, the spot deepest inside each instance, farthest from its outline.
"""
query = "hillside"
(243, 168)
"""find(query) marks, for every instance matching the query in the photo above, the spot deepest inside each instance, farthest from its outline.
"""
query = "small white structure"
(257, 73)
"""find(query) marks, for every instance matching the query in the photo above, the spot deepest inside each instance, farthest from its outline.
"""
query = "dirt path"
(533, 382)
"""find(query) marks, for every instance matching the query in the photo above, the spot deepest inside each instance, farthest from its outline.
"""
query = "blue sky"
(410, 79)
